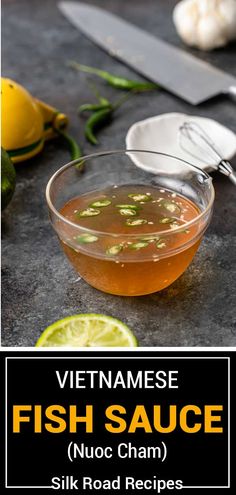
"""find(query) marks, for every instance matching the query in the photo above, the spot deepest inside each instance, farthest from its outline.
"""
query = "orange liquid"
(126, 264)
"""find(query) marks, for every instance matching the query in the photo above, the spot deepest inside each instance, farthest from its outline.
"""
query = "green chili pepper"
(96, 120)
(89, 212)
(101, 203)
(167, 220)
(115, 81)
(113, 250)
(127, 212)
(171, 206)
(138, 245)
(75, 150)
(140, 197)
(129, 207)
(134, 222)
(93, 107)
(103, 101)
(86, 238)
(160, 244)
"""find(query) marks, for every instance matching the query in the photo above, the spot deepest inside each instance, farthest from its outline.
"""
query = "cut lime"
(8, 176)
(87, 330)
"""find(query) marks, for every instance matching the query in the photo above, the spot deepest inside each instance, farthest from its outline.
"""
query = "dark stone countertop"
(39, 286)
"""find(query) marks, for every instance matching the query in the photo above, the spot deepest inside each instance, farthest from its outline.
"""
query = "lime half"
(8, 176)
(87, 330)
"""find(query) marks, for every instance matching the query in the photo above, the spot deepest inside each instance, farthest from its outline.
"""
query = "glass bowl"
(126, 230)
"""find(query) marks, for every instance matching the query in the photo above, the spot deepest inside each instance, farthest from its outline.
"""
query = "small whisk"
(196, 142)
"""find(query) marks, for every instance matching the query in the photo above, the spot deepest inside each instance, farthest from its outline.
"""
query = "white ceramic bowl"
(161, 133)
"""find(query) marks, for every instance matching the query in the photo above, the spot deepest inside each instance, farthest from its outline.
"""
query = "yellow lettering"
(172, 419)
(53, 417)
(87, 419)
(17, 418)
(183, 419)
(38, 419)
(140, 420)
(120, 421)
(210, 418)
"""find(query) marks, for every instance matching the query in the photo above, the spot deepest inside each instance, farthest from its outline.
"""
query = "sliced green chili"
(129, 207)
(127, 212)
(167, 220)
(174, 225)
(101, 203)
(113, 250)
(89, 212)
(171, 206)
(160, 244)
(138, 245)
(86, 238)
(140, 197)
(150, 239)
(136, 222)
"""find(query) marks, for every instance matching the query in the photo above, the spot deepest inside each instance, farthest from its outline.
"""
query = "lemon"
(87, 330)
(8, 179)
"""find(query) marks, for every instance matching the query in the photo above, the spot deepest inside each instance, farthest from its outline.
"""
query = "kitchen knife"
(176, 70)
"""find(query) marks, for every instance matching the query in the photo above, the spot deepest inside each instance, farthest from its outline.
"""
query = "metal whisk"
(193, 137)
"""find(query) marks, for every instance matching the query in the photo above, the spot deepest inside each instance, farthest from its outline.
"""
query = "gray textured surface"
(39, 286)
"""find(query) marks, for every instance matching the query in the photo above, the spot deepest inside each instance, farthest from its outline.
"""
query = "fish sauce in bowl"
(133, 238)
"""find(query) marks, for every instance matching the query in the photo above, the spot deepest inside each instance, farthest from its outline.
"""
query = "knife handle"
(232, 92)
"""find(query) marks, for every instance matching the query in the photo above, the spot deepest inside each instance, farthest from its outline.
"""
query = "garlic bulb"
(206, 24)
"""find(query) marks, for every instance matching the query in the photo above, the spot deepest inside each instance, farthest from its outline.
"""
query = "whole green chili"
(115, 81)
(102, 116)
(75, 150)
(93, 107)
(102, 100)
(97, 119)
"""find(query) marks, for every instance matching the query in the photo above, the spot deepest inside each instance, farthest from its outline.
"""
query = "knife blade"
(176, 70)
